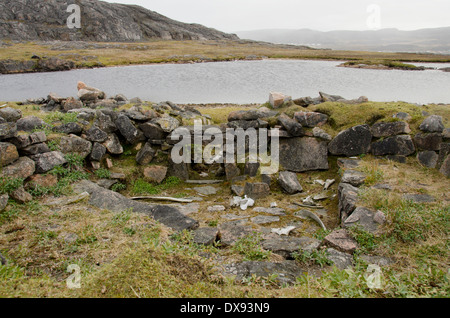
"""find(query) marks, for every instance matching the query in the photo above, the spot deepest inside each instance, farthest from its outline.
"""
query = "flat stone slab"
(271, 211)
(355, 178)
(341, 240)
(287, 271)
(287, 245)
(208, 190)
(419, 198)
(340, 260)
(230, 232)
(113, 201)
(263, 219)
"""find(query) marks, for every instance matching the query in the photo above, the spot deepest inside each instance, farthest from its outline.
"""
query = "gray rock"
(95, 134)
(252, 114)
(128, 130)
(398, 145)
(152, 131)
(351, 142)
(8, 153)
(419, 198)
(286, 272)
(289, 182)
(346, 163)
(244, 124)
(23, 168)
(8, 130)
(230, 233)
(35, 149)
(3, 201)
(104, 122)
(432, 124)
(71, 103)
(231, 171)
(264, 219)
(311, 119)
(341, 240)
(256, 190)
(330, 98)
(387, 129)
(206, 235)
(179, 170)
(11, 115)
(320, 133)
(167, 124)
(402, 116)
(110, 200)
(208, 190)
(30, 123)
(428, 141)
(355, 178)
(75, 144)
(98, 152)
(146, 154)
(155, 174)
(271, 211)
(286, 246)
(302, 154)
(293, 127)
(47, 161)
(369, 220)
(428, 159)
(106, 183)
(113, 145)
(377, 260)
(445, 167)
(251, 168)
(348, 197)
(340, 260)
(21, 196)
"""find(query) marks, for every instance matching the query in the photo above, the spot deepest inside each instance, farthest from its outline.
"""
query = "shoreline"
(35, 57)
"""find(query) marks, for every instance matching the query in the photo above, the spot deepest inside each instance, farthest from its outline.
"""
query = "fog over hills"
(435, 40)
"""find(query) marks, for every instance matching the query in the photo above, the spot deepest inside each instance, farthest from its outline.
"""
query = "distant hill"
(100, 21)
(388, 40)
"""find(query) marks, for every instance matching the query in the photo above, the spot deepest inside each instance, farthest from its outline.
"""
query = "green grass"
(249, 246)
(140, 186)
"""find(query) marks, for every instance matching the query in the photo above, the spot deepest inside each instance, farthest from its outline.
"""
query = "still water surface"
(237, 82)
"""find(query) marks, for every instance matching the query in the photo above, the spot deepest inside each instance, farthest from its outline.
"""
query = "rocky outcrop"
(30, 20)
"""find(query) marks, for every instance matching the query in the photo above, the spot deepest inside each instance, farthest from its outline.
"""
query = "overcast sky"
(323, 15)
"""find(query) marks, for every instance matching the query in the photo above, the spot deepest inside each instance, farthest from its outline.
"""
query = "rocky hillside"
(100, 21)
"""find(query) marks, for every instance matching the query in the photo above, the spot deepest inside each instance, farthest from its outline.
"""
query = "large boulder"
(167, 123)
(428, 158)
(95, 134)
(23, 168)
(30, 123)
(351, 142)
(11, 115)
(431, 124)
(401, 145)
(98, 151)
(8, 153)
(428, 141)
(445, 167)
(47, 161)
(387, 129)
(303, 154)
